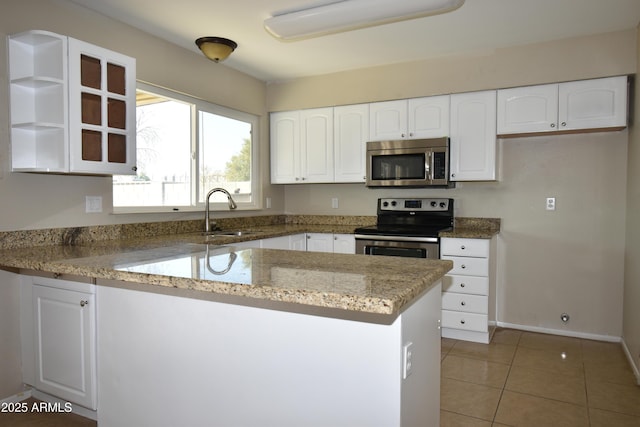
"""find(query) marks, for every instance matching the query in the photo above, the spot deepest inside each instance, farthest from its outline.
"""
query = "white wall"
(631, 332)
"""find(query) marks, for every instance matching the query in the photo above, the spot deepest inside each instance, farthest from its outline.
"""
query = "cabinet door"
(319, 242)
(65, 344)
(528, 109)
(316, 141)
(298, 242)
(388, 120)
(351, 132)
(428, 117)
(344, 244)
(102, 110)
(285, 147)
(593, 104)
(473, 136)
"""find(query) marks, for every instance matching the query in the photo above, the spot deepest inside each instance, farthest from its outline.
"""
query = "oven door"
(408, 247)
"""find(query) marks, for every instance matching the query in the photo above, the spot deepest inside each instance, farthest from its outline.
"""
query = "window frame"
(197, 105)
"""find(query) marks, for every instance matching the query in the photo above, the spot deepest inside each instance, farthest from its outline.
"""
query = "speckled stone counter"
(200, 266)
(147, 254)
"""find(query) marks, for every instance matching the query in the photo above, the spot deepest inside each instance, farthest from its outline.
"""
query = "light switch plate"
(93, 204)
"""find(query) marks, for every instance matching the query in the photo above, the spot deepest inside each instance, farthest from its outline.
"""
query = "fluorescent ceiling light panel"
(351, 14)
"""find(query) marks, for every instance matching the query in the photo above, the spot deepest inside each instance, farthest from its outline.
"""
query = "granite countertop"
(198, 267)
(174, 257)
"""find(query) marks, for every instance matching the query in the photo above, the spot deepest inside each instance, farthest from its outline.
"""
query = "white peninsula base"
(167, 361)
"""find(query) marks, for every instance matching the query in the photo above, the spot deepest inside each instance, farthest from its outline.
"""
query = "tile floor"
(530, 379)
(520, 379)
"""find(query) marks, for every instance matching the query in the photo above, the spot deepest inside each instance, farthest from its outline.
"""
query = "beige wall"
(39, 201)
(29, 201)
(570, 260)
(631, 329)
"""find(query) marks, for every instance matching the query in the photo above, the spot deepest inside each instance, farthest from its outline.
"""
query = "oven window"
(398, 166)
(395, 251)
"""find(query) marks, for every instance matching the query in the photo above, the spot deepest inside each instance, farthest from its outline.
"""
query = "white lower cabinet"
(332, 243)
(59, 338)
(468, 291)
(296, 242)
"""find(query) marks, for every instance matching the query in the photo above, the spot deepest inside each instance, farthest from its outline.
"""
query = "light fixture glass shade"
(216, 48)
(351, 14)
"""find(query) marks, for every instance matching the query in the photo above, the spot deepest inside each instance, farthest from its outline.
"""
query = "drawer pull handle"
(462, 285)
(463, 303)
(462, 321)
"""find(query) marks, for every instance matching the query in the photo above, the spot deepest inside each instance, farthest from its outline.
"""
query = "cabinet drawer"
(465, 247)
(465, 284)
(465, 302)
(466, 321)
(468, 266)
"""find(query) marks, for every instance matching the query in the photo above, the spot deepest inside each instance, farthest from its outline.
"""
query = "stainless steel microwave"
(408, 163)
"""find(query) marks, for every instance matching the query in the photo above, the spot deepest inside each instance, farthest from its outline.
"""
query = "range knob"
(433, 203)
(385, 204)
(443, 205)
(393, 203)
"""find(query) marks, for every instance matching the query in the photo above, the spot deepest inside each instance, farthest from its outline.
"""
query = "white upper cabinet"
(582, 105)
(414, 118)
(285, 147)
(593, 104)
(102, 110)
(351, 133)
(72, 106)
(302, 146)
(473, 136)
(528, 109)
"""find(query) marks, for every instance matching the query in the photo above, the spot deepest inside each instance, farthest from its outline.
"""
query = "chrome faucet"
(232, 205)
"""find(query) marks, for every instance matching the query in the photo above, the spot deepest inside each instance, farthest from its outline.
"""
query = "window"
(185, 147)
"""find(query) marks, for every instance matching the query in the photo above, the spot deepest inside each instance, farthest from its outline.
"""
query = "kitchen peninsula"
(190, 332)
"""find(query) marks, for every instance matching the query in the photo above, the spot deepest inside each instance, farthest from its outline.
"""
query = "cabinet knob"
(135, 168)
(463, 321)
(463, 247)
(563, 124)
(462, 285)
(463, 303)
(553, 125)
(83, 303)
(463, 266)
(453, 175)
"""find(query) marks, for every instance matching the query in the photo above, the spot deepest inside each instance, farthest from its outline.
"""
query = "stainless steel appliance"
(406, 227)
(408, 163)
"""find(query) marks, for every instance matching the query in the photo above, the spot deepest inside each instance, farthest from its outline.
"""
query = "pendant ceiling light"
(216, 48)
(347, 15)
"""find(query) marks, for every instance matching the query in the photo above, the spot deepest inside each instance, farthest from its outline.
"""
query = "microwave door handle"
(428, 165)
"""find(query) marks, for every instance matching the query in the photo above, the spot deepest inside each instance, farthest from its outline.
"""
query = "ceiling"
(478, 26)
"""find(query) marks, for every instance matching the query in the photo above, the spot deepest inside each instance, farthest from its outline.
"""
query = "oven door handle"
(397, 238)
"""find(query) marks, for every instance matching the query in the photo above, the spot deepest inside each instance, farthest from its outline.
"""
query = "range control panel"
(419, 204)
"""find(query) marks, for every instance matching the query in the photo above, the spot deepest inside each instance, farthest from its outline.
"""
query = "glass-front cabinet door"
(102, 112)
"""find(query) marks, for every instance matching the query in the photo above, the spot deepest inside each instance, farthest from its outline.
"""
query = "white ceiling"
(479, 25)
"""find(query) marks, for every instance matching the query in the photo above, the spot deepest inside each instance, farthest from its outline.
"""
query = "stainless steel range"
(406, 228)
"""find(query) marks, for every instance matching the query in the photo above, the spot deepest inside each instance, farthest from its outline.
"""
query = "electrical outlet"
(334, 203)
(93, 204)
(407, 358)
(551, 203)
(268, 203)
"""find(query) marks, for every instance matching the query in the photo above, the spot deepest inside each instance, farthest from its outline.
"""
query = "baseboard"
(634, 367)
(596, 337)
(18, 397)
